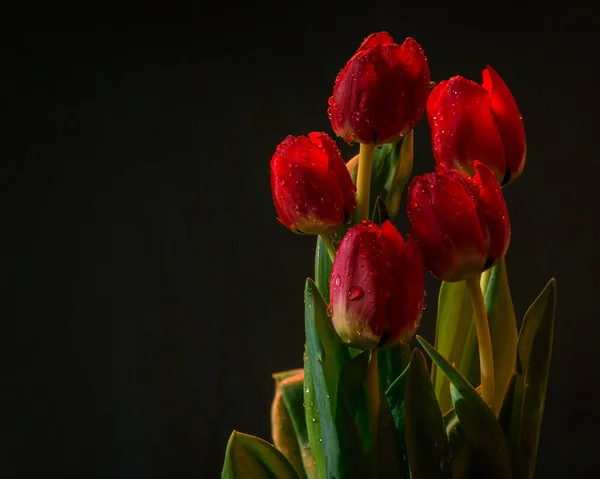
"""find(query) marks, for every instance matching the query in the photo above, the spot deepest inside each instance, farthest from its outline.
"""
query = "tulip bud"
(377, 287)
(312, 189)
(381, 93)
(477, 122)
(460, 223)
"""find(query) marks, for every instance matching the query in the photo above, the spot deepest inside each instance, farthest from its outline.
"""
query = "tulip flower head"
(460, 223)
(381, 93)
(377, 287)
(477, 122)
(312, 189)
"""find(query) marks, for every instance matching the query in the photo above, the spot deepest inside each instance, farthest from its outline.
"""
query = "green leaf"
(322, 268)
(454, 318)
(529, 398)
(426, 440)
(395, 398)
(288, 422)
(325, 357)
(248, 457)
(380, 212)
(385, 452)
(483, 432)
(503, 328)
(457, 446)
(392, 167)
(392, 363)
(352, 418)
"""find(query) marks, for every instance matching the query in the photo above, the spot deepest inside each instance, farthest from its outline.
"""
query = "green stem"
(373, 399)
(363, 180)
(486, 359)
(329, 245)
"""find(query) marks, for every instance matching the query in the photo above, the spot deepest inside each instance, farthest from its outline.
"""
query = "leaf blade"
(249, 457)
(325, 357)
(534, 354)
(454, 319)
(483, 432)
(288, 422)
(426, 440)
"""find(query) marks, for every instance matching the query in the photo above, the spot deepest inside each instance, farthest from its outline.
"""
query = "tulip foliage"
(365, 403)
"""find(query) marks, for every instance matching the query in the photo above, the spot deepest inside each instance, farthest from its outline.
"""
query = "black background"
(150, 292)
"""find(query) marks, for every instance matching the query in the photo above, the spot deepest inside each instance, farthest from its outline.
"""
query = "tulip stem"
(363, 180)
(329, 245)
(486, 358)
(373, 398)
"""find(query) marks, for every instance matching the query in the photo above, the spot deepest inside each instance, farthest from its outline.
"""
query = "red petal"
(406, 302)
(391, 239)
(444, 222)
(509, 123)
(338, 169)
(462, 127)
(282, 197)
(493, 207)
(381, 38)
(358, 276)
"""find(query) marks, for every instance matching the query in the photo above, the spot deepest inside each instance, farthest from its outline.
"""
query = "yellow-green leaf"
(249, 457)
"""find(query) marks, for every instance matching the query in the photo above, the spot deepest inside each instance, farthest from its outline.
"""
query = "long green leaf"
(483, 432)
(395, 398)
(386, 449)
(288, 422)
(457, 446)
(503, 328)
(322, 268)
(352, 417)
(325, 357)
(534, 353)
(392, 363)
(248, 457)
(426, 440)
(454, 317)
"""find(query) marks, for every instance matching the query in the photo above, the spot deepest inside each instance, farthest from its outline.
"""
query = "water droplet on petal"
(355, 293)
(336, 279)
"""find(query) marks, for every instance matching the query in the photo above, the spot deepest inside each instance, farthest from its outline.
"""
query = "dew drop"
(355, 293)
(336, 279)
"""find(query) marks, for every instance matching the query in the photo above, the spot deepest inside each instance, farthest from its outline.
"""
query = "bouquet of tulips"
(365, 404)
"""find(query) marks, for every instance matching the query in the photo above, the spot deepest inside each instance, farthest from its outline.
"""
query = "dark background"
(150, 292)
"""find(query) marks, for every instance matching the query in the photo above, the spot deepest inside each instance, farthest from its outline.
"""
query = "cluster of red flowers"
(458, 217)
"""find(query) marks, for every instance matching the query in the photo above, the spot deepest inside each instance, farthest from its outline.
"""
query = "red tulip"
(477, 122)
(312, 189)
(381, 93)
(460, 223)
(377, 287)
